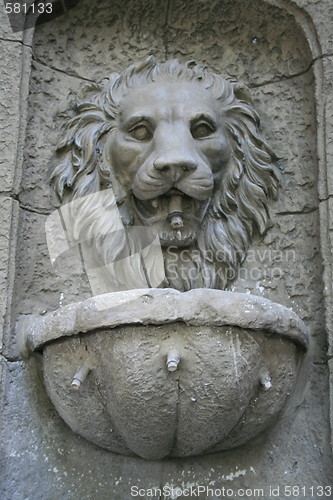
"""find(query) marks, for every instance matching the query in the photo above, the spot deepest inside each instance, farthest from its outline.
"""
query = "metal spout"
(265, 379)
(175, 212)
(176, 221)
(173, 361)
(80, 375)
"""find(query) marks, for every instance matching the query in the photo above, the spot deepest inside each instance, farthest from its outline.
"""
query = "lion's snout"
(175, 166)
(174, 163)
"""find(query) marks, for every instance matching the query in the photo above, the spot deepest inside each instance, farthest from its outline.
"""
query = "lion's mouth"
(175, 215)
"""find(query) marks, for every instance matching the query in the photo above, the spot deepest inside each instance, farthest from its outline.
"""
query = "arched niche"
(261, 45)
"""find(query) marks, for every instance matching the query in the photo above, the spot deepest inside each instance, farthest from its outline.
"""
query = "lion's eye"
(201, 130)
(141, 133)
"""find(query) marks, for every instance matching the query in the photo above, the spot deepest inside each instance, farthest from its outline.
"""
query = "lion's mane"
(239, 205)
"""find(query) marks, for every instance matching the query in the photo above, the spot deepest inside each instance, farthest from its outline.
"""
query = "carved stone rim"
(161, 306)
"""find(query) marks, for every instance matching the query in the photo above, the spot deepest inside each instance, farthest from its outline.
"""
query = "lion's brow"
(133, 120)
(203, 116)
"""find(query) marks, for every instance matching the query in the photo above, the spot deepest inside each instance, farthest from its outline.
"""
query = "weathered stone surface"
(215, 400)
(285, 270)
(179, 29)
(210, 356)
(11, 69)
(328, 103)
(37, 444)
(66, 464)
(214, 35)
(319, 16)
(57, 90)
(330, 368)
(9, 221)
(112, 36)
(284, 107)
(162, 306)
(330, 211)
(326, 210)
(323, 70)
(56, 285)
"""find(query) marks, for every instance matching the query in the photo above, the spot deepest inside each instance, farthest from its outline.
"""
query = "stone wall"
(283, 50)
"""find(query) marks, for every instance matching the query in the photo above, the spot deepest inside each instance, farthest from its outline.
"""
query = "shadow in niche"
(37, 13)
(59, 8)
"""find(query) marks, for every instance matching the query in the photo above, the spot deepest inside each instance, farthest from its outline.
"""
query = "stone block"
(12, 110)
(330, 366)
(329, 144)
(9, 216)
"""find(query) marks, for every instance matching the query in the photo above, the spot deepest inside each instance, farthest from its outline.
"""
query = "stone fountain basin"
(240, 356)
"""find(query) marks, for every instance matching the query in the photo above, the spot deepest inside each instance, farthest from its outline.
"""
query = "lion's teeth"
(154, 203)
(179, 235)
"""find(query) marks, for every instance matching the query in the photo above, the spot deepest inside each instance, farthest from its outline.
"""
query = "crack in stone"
(329, 197)
(298, 212)
(9, 194)
(2, 39)
(35, 210)
(53, 68)
(15, 197)
(6, 359)
(179, 390)
(282, 78)
(166, 28)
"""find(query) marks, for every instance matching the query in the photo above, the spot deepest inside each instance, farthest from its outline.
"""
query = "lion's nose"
(174, 168)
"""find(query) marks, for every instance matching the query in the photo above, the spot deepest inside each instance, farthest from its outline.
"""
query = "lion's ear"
(242, 93)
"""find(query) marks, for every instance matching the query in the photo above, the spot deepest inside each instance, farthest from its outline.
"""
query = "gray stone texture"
(44, 459)
(9, 215)
(11, 67)
(15, 71)
(319, 15)
(329, 139)
(162, 306)
(266, 48)
(216, 400)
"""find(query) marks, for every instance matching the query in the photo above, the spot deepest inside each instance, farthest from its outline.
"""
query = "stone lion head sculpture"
(176, 149)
